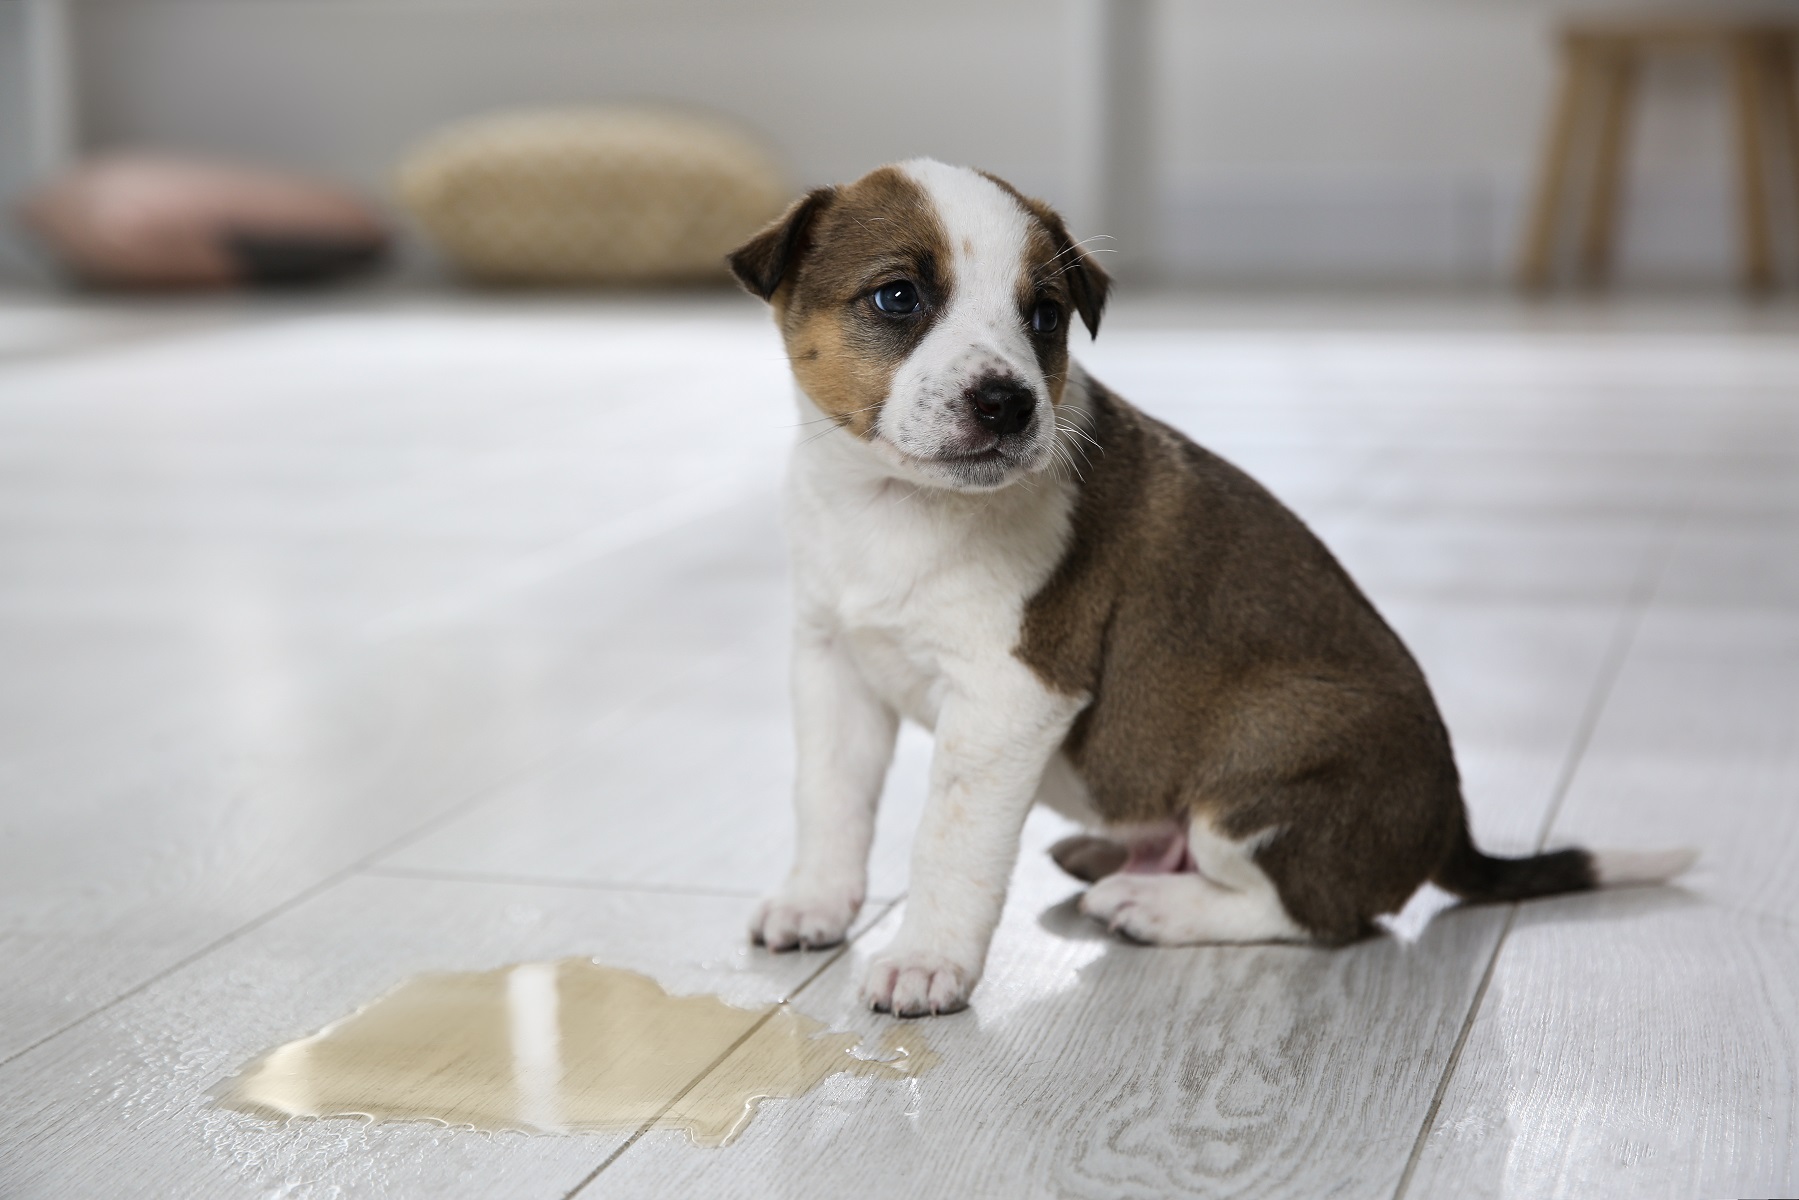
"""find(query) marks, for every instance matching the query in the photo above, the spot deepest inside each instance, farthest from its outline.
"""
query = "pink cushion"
(148, 221)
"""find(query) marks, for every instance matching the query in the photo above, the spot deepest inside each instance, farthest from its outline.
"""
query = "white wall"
(1301, 140)
(36, 134)
(1399, 138)
(15, 140)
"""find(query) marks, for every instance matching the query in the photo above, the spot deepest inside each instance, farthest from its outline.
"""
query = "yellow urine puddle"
(560, 1047)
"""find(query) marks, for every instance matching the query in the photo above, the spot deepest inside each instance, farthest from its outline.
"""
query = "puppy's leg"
(845, 737)
(992, 746)
(1220, 896)
(1185, 909)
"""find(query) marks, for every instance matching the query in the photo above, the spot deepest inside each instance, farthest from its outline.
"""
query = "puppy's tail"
(1482, 879)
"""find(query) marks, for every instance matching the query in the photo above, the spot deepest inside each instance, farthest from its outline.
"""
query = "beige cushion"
(139, 220)
(591, 196)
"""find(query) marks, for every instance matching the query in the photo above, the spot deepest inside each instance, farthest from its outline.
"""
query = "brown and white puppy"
(1085, 607)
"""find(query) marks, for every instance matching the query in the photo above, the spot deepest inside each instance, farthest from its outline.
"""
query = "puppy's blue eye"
(1046, 318)
(897, 299)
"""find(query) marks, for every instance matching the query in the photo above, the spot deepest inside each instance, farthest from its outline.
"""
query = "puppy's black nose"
(1002, 406)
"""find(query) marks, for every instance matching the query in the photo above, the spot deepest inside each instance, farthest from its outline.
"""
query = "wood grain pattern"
(1636, 1044)
(1645, 1043)
(1093, 1068)
(273, 598)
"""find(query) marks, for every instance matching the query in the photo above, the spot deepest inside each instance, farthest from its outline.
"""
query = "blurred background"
(436, 616)
(1224, 143)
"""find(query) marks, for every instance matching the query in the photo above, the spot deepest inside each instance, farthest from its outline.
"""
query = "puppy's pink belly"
(1158, 850)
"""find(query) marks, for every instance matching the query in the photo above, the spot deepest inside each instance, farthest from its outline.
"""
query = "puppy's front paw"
(808, 918)
(914, 984)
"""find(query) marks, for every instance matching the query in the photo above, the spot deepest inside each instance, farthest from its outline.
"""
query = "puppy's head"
(926, 311)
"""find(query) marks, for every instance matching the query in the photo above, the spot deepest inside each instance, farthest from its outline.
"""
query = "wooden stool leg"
(1788, 98)
(1746, 74)
(1540, 235)
(1616, 71)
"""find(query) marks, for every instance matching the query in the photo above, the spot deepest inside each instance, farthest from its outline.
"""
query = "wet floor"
(483, 596)
(561, 1047)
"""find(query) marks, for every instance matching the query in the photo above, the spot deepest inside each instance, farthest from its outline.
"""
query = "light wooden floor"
(341, 643)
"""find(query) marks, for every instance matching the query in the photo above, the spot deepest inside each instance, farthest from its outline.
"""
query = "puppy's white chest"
(907, 678)
(925, 589)
(911, 612)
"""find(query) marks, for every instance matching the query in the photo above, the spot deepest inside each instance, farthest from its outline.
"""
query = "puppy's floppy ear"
(1088, 285)
(762, 262)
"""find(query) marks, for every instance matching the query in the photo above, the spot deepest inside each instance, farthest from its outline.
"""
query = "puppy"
(1086, 608)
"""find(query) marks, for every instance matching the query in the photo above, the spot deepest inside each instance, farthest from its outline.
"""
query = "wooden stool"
(1600, 64)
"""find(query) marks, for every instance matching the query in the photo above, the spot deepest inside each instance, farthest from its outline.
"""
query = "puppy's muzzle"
(1000, 405)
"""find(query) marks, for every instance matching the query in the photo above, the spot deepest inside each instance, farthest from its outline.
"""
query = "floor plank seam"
(1624, 635)
(1454, 1059)
(594, 730)
(255, 923)
(637, 1135)
(480, 796)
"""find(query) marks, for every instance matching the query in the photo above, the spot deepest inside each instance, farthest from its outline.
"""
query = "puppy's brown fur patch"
(819, 266)
(1239, 675)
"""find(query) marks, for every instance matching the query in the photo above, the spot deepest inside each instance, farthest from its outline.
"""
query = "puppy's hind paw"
(1142, 908)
